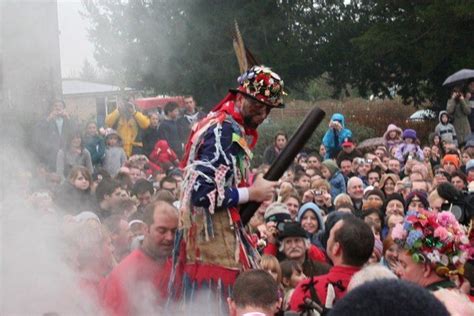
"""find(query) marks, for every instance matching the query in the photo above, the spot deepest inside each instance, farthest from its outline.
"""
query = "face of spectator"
(309, 222)
(373, 220)
(410, 270)
(170, 186)
(293, 206)
(296, 277)
(436, 204)
(374, 198)
(114, 199)
(112, 140)
(135, 174)
(81, 183)
(391, 255)
(346, 167)
(373, 178)
(144, 198)
(364, 169)
(76, 142)
(325, 172)
(394, 207)
(427, 152)
(465, 158)
(252, 111)
(394, 165)
(389, 187)
(280, 141)
(122, 238)
(91, 129)
(356, 190)
(304, 182)
(348, 148)
(415, 204)
(294, 248)
(154, 120)
(449, 167)
(379, 153)
(313, 162)
(416, 176)
(458, 183)
(190, 105)
(159, 236)
(322, 150)
(173, 115)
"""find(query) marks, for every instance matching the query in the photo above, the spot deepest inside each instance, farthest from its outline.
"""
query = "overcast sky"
(74, 45)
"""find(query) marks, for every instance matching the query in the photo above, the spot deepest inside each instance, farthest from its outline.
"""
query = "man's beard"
(248, 122)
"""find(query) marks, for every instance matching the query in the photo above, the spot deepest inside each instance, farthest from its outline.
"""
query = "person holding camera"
(459, 110)
(335, 136)
(128, 122)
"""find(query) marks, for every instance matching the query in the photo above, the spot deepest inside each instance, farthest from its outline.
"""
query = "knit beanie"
(454, 159)
(419, 194)
(409, 133)
(470, 165)
(375, 191)
(389, 297)
(310, 207)
(331, 165)
(277, 212)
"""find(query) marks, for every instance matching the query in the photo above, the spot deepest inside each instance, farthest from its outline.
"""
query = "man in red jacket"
(139, 284)
(350, 245)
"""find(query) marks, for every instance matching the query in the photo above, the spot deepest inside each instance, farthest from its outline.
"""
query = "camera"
(369, 160)
(460, 203)
(317, 192)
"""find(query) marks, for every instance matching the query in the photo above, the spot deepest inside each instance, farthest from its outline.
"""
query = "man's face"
(415, 204)
(114, 199)
(333, 247)
(436, 204)
(348, 148)
(356, 190)
(346, 167)
(449, 167)
(364, 168)
(173, 114)
(304, 182)
(394, 165)
(458, 183)
(379, 153)
(313, 162)
(252, 111)
(159, 236)
(410, 270)
(190, 105)
(294, 248)
(170, 186)
(144, 198)
(373, 178)
(394, 207)
(293, 207)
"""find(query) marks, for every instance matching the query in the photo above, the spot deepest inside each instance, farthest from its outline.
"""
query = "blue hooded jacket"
(310, 206)
(333, 140)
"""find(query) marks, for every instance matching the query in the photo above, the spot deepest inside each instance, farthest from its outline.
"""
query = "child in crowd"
(332, 174)
(74, 154)
(445, 129)
(409, 148)
(270, 264)
(94, 143)
(291, 275)
(74, 195)
(392, 136)
(163, 156)
(114, 154)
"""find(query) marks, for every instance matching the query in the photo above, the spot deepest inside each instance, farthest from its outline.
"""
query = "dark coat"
(149, 138)
(168, 131)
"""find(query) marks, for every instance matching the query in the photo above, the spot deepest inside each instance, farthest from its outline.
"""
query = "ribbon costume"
(212, 246)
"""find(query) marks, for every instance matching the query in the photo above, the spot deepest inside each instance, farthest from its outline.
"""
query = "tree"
(88, 72)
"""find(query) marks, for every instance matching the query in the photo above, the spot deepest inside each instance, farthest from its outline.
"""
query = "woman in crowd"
(73, 155)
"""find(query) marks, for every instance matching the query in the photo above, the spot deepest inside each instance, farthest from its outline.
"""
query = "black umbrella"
(459, 77)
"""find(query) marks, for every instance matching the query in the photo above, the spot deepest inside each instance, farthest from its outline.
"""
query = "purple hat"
(409, 133)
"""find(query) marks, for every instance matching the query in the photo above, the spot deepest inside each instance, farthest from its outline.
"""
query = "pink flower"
(446, 219)
(398, 232)
(441, 233)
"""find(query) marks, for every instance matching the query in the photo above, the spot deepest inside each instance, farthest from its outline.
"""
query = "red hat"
(347, 142)
(454, 159)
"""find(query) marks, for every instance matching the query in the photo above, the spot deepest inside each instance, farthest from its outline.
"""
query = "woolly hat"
(469, 143)
(292, 230)
(409, 133)
(277, 212)
(310, 206)
(375, 191)
(454, 159)
(389, 297)
(331, 165)
(470, 165)
(420, 195)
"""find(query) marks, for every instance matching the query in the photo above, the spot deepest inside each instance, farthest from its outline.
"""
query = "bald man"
(355, 189)
(138, 285)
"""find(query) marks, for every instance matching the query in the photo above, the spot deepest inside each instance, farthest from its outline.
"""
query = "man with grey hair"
(355, 189)
(369, 273)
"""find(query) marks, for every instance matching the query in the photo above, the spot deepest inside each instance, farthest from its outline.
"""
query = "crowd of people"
(380, 226)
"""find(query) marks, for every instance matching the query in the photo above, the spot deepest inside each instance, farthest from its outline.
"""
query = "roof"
(82, 87)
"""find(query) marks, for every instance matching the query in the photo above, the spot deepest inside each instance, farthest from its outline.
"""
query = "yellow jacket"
(127, 130)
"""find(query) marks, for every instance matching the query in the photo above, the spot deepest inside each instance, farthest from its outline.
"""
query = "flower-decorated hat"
(262, 84)
(436, 239)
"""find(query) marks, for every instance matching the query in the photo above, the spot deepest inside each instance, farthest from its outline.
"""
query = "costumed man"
(214, 246)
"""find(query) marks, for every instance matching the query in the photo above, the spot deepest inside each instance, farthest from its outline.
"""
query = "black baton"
(286, 157)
